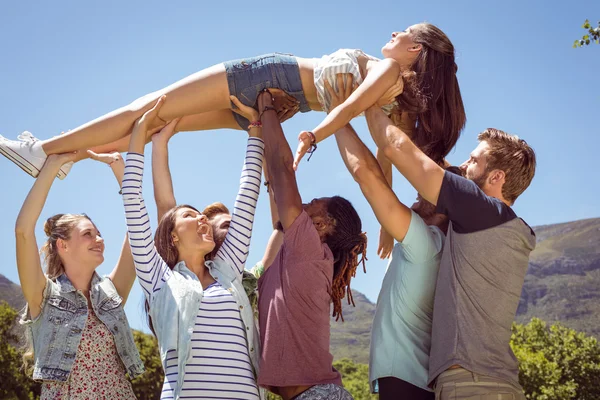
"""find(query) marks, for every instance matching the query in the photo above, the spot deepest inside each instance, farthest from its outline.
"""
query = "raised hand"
(390, 95)
(386, 244)
(106, 158)
(164, 134)
(287, 106)
(245, 111)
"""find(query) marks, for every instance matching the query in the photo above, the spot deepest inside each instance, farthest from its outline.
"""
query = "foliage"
(15, 384)
(593, 35)
(556, 362)
(149, 384)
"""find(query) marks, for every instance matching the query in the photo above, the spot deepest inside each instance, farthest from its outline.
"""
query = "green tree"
(556, 363)
(148, 385)
(592, 35)
(355, 378)
(15, 383)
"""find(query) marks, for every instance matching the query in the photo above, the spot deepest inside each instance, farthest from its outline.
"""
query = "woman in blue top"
(199, 310)
(78, 333)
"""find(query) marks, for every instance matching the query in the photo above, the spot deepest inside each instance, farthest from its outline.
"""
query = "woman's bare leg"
(204, 91)
(222, 119)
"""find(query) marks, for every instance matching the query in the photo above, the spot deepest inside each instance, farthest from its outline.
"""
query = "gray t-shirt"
(482, 271)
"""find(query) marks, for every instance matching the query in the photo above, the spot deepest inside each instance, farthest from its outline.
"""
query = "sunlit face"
(192, 231)
(401, 47)
(220, 226)
(84, 247)
(475, 168)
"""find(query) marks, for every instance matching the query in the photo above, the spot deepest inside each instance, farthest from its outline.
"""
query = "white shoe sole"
(19, 161)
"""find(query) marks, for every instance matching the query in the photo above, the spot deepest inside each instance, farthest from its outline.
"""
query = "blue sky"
(67, 62)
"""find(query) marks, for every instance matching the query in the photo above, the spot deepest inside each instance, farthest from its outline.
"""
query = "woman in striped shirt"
(422, 53)
(200, 313)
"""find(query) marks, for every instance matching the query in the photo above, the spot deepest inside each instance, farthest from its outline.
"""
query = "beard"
(479, 179)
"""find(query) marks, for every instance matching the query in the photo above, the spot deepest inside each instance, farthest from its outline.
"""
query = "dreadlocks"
(347, 243)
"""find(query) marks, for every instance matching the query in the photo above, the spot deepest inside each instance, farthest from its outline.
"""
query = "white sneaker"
(28, 158)
(64, 170)
(23, 153)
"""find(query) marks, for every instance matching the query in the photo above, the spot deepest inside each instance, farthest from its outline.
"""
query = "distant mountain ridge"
(562, 285)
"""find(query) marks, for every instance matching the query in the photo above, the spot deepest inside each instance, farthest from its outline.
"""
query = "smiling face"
(84, 247)
(401, 47)
(192, 231)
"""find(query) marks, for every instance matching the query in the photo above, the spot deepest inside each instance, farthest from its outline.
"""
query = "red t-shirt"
(294, 308)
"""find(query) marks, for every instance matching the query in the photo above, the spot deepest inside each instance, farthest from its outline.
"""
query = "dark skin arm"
(279, 159)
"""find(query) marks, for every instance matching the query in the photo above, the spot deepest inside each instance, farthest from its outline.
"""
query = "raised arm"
(150, 268)
(393, 216)
(383, 75)
(276, 239)
(280, 168)
(123, 274)
(236, 246)
(422, 172)
(164, 195)
(31, 276)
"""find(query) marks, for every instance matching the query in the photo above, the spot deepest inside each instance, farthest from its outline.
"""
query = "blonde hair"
(59, 226)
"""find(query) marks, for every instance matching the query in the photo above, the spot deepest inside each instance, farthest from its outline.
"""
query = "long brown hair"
(347, 243)
(432, 94)
(163, 241)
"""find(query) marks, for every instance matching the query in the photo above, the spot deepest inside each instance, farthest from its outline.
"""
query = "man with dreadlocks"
(322, 243)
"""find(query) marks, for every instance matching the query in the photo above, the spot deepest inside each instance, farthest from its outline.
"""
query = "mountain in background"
(562, 285)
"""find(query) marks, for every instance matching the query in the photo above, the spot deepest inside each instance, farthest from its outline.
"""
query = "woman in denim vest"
(199, 310)
(79, 337)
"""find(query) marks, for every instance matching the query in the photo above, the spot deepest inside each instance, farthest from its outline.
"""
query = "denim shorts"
(248, 76)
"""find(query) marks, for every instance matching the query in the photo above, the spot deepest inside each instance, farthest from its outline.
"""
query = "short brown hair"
(513, 156)
(214, 209)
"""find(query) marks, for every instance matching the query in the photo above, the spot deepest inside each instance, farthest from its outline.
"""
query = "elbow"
(395, 145)
(22, 230)
(365, 171)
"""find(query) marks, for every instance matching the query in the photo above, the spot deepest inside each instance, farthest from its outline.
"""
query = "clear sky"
(64, 63)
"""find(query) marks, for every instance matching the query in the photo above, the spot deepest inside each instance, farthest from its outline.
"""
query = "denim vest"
(56, 332)
(174, 308)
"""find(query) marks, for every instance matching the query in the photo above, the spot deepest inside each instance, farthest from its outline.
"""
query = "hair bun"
(51, 224)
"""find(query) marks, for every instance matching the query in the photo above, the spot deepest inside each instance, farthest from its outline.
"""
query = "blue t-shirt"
(401, 333)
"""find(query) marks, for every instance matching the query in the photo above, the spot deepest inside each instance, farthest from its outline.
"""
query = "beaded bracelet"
(255, 124)
(313, 145)
(267, 108)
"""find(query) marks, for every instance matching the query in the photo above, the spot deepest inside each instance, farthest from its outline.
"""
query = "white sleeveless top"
(343, 61)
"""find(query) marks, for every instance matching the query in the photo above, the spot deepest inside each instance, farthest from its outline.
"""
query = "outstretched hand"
(390, 95)
(386, 244)
(106, 158)
(245, 111)
(60, 159)
(337, 97)
(165, 133)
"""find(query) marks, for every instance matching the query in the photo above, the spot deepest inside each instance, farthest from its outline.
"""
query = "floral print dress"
(97, 372)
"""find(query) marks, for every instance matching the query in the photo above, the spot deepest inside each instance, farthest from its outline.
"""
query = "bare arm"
(276, 239)
(164, 195)
(278, 156)
(422, 172)
(31, 276)
(377, 82)
(393, 216)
